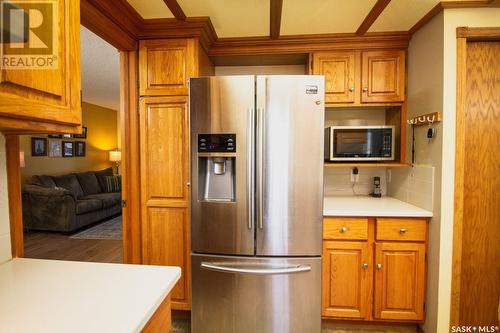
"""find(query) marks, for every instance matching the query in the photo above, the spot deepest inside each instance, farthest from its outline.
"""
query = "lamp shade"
(115, 156)
(22, 163)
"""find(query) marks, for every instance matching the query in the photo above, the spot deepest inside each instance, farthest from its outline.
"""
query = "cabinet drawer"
(345, 228)
(401, 229)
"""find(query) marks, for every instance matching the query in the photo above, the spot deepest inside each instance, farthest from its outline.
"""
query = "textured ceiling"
(100, 68)
(244, 18)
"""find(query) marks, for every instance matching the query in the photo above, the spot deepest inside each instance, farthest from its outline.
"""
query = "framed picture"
(55, 136)
(55, 149)
(67, 136)
(67, 148)
(79, 148)
(83, 135)
(38, 147)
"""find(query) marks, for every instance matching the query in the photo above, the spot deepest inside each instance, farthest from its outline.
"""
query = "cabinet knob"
(365, 89)
(318, 102)
(402, 231)
(365, 266)
(344, 229)
(379, 266)
(351, 89)
(188, 184)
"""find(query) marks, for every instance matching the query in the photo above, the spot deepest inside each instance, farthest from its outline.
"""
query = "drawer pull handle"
(344, 230)
(402, 231)
(365, 266)
(379, 266)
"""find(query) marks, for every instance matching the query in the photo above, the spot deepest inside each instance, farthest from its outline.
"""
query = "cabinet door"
(347, 275)
(339, 69)
(166, 65)
(50, 91)
(399, 281)
(164, 187)
(383, 76)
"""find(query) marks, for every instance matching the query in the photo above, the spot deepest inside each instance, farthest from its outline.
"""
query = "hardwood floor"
(45, 245)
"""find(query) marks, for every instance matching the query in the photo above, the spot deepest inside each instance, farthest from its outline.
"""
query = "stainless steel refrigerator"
(256, 203)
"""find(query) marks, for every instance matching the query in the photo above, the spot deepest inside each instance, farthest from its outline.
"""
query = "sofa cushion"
(101, 177)
(88, 182)
(69, 182)
(108, 199)
(43, 180)
(87, 205)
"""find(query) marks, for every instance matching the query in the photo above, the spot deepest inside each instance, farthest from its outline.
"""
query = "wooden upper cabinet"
(340, 70)
(383, 76)
(347, 275)
(33, 98)
(399, 281)
(165, 66)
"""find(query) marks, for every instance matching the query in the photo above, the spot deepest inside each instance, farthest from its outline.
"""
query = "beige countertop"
(368, 206)
(68, 296)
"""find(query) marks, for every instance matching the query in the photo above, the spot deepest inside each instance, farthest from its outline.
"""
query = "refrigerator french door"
(256, 203)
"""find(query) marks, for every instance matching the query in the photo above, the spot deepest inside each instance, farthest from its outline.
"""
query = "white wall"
(425, 95)
(5, 249)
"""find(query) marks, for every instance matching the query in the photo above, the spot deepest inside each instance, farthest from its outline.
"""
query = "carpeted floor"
(111, 229)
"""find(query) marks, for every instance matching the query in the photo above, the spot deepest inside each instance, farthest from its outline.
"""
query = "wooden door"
(51, 92)
(399, 280)
(347, 275)
(164, 187)
(383, 76)
(476, 253)
(166, 65)
(340, 70)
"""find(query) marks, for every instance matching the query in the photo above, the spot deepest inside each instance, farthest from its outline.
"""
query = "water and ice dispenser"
(216, 167)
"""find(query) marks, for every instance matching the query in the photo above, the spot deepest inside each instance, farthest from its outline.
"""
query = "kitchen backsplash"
(337, 181)
(414, 185)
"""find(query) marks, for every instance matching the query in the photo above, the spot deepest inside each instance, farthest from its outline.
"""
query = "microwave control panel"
(216, 143)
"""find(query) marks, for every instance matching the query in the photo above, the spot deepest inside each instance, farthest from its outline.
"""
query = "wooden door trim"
(14, 195)
(464, 35)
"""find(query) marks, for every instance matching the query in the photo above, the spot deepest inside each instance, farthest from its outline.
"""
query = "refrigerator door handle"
(260, 166)
(233, 268)
(251, 167)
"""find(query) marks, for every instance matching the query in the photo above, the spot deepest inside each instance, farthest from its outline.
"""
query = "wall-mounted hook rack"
(426, 119)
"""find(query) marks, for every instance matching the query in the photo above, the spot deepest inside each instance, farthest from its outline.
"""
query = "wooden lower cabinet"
(399, 281)
(374, 279)
(347, 276)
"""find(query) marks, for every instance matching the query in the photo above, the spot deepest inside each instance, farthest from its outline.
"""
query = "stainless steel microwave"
(359, 143)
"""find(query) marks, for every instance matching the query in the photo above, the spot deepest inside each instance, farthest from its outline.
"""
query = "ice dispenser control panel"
(216, 143)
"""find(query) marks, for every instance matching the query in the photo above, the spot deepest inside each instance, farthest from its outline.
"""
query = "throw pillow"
(101, 177)
(89, 183)
(113, 184)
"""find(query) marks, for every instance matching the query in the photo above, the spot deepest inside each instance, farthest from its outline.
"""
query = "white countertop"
(368, 206)
(67, 296)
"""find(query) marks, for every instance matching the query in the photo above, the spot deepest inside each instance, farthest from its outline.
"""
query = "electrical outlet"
(354, 175)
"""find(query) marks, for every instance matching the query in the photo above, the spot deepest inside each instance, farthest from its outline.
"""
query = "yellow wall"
(5, 250)
(102, 136)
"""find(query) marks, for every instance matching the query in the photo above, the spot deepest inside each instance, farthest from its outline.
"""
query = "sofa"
(68, 202)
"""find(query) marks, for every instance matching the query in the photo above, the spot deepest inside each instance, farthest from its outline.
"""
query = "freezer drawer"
(251, 294)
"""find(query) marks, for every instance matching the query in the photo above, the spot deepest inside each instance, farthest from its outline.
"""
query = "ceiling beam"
(372, 16)
(275, 18)
(176, 9)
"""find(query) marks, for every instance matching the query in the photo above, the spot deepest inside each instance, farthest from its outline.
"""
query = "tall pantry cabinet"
(165, 67)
